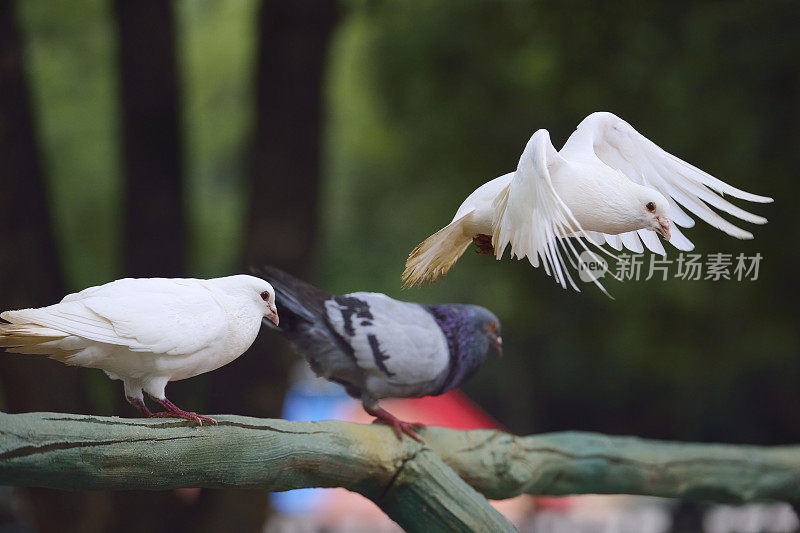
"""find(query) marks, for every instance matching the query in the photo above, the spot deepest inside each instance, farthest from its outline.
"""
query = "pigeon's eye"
(651, 206)
(493, 326)
(265, 295)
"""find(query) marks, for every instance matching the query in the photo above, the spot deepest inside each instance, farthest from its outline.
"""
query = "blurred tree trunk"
(282, 220)
(30, 273)
(29, 268)
(153, 219)
(153, 169)
(154, 233)
(286, 160)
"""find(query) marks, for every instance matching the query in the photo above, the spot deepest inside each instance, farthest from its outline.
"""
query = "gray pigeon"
(378, 347)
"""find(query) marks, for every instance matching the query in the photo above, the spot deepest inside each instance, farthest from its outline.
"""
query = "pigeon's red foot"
(382, 416)
(484, 244)
(188, 415)
(173, 411)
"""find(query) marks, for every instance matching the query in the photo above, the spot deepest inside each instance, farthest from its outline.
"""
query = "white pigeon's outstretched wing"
(617, 144)
(165, 316)
(531, 217)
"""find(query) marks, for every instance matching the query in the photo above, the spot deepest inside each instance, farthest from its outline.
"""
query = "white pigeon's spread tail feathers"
(437, 254)
(33, 339)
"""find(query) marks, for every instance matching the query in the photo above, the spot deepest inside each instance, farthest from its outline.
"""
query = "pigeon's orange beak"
(497, 340)
(663, 226)
(498, 344)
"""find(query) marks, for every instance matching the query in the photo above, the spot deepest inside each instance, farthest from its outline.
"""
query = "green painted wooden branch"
(409, 482)
(412, 483)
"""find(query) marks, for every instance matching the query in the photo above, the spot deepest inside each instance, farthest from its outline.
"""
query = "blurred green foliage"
(73, 71)
(216, 52)
(71, 53)
(428, 100)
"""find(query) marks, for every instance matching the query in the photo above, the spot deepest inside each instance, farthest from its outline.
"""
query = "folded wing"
(162, 316)
(397, 342)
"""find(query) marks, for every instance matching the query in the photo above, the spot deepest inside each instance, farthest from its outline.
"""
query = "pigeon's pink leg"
(173, 411)
(382, 416)
(484, 244)
(139, 404)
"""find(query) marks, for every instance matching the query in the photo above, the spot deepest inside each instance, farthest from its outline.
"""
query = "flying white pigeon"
(147, 332)
(608, 184)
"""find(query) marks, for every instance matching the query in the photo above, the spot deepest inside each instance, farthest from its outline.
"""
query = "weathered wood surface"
(410, 483)
(84, 452)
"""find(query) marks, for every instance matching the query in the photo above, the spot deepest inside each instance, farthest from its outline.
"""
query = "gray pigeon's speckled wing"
(395, 343)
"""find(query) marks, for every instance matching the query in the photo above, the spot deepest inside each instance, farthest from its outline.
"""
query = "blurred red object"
(451, 410)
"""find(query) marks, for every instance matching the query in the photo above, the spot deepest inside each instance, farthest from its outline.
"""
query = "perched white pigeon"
(147, 332)
(608, 184)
